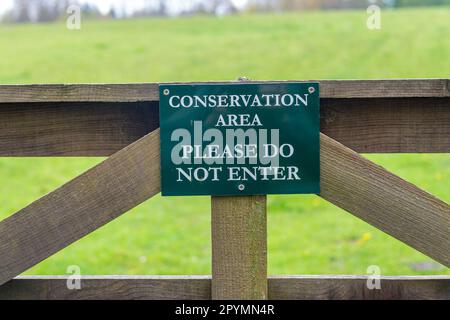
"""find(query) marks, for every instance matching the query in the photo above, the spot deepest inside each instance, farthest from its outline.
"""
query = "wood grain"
(239, 248)
(395, 88)
(134, 92)
(384, 200)
(101, 129)
(199, 288)
(108, 288)
(73, 129)
(388, 125)
(79, 207)
(355, 288)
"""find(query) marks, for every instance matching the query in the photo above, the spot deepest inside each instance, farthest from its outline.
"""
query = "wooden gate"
(121, 122)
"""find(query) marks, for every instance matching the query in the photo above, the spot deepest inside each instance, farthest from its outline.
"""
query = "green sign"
(240, 139)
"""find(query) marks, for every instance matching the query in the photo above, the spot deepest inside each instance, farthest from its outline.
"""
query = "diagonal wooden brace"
(121, 182)
(384, 200)
(132, 176)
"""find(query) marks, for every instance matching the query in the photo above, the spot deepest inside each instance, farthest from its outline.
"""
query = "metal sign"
(240, 139)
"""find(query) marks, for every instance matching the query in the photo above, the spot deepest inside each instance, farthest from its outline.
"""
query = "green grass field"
(172, 236)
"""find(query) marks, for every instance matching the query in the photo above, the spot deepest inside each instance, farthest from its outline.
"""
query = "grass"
(172, 236)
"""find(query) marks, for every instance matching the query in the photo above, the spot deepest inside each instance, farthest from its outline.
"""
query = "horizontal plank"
(384, 200)
(410, 125)
(108, 288)
(101, 129)
(401, 88)
(86, 203)
(199, 288)
(355, 288)
(135, 92)
(74, 129)
(79, 93)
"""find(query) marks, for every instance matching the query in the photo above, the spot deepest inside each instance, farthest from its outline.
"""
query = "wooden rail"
(199, 288)
(412, 88)
(384, 200)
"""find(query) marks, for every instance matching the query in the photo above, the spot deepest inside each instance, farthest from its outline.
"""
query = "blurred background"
(51, 10)
(49, 41)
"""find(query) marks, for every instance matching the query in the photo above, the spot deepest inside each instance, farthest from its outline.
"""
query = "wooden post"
(239, 248)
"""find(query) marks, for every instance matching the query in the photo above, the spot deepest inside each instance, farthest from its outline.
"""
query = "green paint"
(240, 139)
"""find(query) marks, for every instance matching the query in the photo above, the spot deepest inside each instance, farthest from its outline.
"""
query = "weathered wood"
(74, 129)
(100, 129)
(81, 206)
(149, 91)
(133, 92)
(397, 88)
(388, 125)
(239, 248)
(199, 288)
(384, 200)
(355, 288)
(108, 288)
